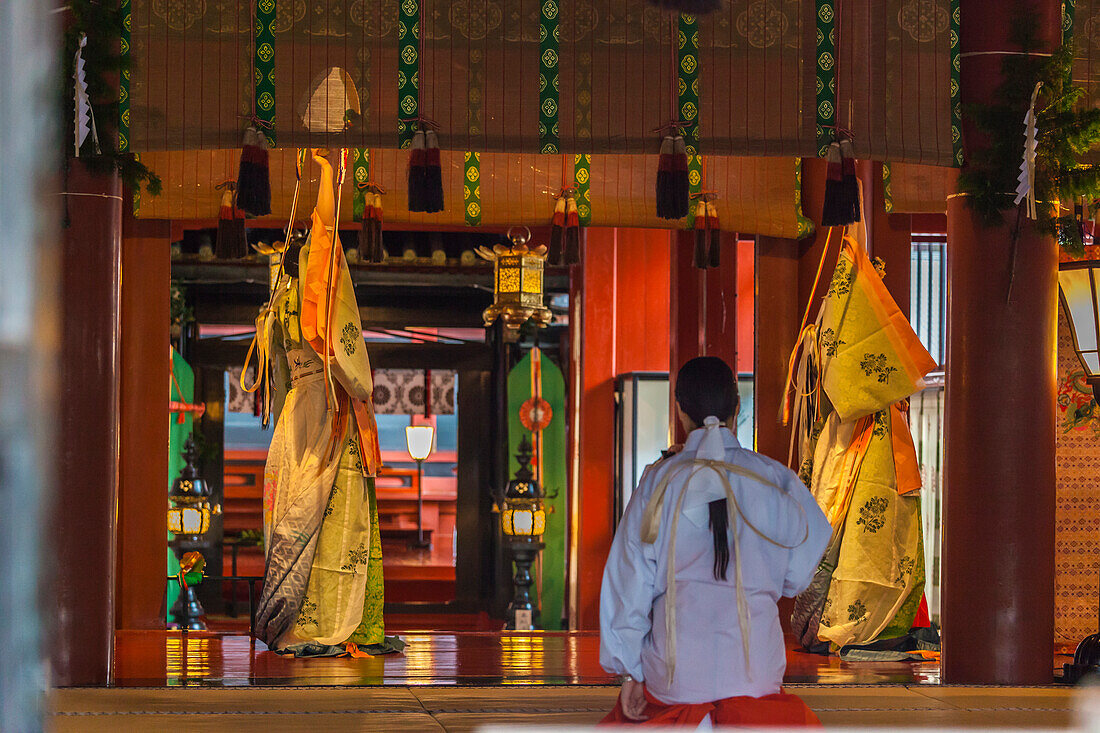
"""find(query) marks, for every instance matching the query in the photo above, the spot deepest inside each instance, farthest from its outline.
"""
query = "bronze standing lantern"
(189, 514)
(522, 522)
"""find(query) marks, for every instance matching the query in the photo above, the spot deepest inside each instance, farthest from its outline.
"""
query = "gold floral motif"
(377, 19)
(179, 14)
(762, 24)
(923, 20)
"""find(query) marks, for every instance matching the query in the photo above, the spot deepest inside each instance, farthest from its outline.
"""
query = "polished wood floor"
(170, 658)
(449, 709)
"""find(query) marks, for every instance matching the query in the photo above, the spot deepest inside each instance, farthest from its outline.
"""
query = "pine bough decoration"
(1065, 130)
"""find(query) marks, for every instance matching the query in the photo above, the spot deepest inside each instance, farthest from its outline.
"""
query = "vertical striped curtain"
(479, 68)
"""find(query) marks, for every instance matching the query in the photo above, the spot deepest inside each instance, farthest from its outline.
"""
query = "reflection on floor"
(162, 658)
(451, 709)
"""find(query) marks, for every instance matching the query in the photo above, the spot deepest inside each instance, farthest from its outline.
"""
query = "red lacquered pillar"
(143, 448)
(620, 296)
(777, 314)
(702, 309)
(999, 496)
(83, 523)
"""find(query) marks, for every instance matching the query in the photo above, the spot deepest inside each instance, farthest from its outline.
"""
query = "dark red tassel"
(841, 205)
(253, 176)
(673, 189)
(378, 251)
(557, 230)
(232, 241)
(370, 231)
(665, 185)
(418, 155)
(681, 184)
(572, 230)
(701, 234)
(433, 174)
(848, 178)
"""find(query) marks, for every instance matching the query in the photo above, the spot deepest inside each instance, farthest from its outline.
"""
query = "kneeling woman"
(711, 539)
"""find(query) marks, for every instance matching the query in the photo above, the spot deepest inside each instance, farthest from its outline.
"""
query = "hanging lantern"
(523, 515)
(517, 282)
(190, 511)
(1079, 285)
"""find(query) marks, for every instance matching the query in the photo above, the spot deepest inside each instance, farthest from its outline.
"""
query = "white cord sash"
(708, 458)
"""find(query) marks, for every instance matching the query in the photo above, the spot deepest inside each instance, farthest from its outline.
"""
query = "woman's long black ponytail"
(719, 525)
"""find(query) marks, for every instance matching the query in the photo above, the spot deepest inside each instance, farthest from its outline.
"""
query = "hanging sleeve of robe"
(332, 326)
(861, 463)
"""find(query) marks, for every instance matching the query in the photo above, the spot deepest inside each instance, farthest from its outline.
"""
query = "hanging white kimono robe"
(323, 579)
(777, 556)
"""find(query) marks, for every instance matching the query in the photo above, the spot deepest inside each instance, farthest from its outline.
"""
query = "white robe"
(710, 659)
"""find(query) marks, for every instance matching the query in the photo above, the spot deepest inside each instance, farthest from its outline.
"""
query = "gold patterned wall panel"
(1077, 534)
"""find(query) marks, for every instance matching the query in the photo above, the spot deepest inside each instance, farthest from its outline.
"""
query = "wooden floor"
(169, 658)
(465, 681)
(511, 707)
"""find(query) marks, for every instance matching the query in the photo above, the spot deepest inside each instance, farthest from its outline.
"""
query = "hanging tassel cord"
(253, 176)
(557, 228)
(370, 234)
(253, 118)
(259, 345)
(788, 395)
(425, 174)
(672, 185)
(708, 232)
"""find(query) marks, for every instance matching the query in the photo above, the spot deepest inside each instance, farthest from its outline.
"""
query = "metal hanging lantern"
(517, 282)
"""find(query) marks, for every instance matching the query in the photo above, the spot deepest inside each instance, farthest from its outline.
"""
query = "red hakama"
(779, 710)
